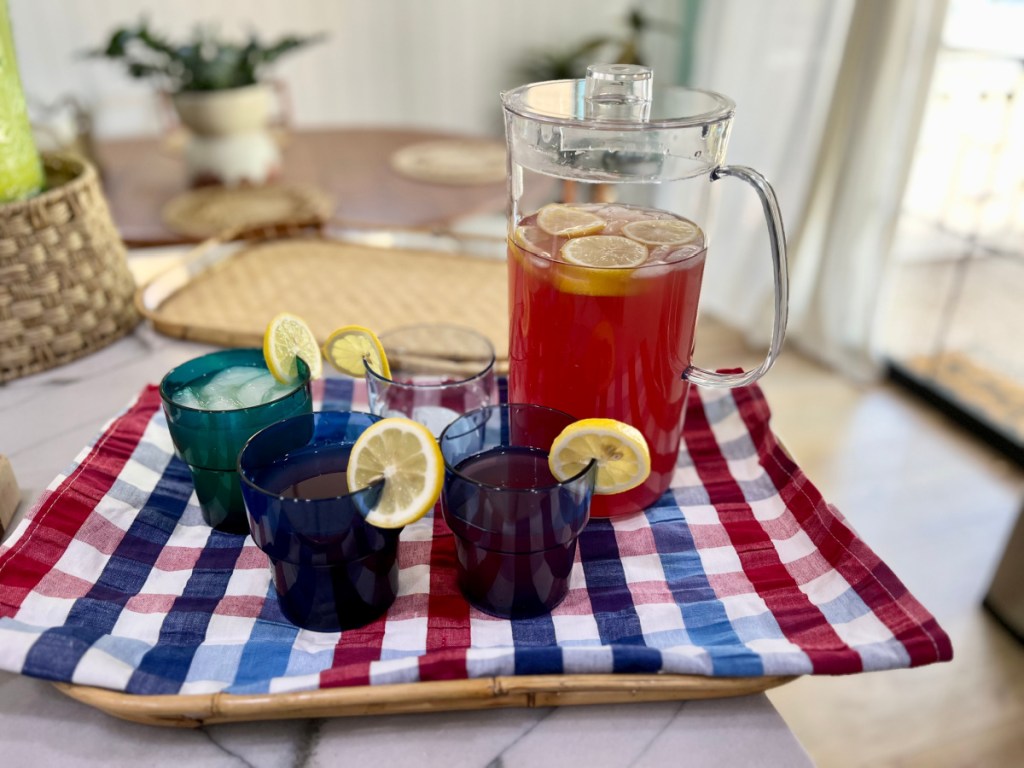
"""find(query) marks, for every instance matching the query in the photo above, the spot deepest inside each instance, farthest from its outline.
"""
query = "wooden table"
(351, 165)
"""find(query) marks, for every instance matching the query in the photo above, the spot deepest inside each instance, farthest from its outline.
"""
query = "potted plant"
(218, 92)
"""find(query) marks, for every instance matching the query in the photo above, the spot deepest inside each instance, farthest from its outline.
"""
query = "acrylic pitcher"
(609, 187)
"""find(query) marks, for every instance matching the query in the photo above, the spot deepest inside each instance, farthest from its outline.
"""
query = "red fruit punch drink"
(603, 306)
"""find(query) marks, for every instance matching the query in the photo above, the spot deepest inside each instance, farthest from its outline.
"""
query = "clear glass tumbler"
(438, 372)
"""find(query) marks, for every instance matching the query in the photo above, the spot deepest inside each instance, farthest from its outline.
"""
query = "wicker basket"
(65, 288)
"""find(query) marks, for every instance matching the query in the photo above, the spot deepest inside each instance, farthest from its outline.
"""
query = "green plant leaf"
(117, 46)
(205, 62)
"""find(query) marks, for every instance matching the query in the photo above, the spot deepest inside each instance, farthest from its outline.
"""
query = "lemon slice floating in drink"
(623, 458)
(533, 239)
(568, 221)
(604, 251)
(406, 456)
(288, 337)
(348, 346)
(661, 231)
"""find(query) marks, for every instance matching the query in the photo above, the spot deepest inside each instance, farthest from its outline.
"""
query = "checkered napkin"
(741, 568)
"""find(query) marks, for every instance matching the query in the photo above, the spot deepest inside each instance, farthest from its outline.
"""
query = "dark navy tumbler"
(332, 570)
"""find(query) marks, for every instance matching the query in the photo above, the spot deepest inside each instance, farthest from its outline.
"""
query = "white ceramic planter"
(230, 144)
(221, 113)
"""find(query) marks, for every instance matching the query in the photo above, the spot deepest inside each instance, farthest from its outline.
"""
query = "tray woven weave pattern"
(65, 287)
(330, 284)
(740, 570)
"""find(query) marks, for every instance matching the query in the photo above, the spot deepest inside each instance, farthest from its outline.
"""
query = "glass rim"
(291, 499)
(304, 380)
(446, 385)
(513, 102)
(592, 465)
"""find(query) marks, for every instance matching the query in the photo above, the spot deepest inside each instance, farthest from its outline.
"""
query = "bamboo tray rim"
(500, 692)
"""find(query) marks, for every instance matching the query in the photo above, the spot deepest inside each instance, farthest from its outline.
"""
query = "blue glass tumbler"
(331, 569)
(209, 441)
(515, 525)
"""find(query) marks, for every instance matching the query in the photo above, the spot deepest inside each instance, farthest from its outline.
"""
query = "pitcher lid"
(617, 96)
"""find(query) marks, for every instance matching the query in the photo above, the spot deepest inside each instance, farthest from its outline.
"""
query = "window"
(952, 324)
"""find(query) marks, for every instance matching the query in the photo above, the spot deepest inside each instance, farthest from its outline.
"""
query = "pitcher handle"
(777, 238)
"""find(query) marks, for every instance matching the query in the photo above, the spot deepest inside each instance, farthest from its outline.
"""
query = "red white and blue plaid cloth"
(742, 568)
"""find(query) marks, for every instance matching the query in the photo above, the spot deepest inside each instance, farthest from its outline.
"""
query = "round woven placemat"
(452, 161)
(330, 284)
(209, 211)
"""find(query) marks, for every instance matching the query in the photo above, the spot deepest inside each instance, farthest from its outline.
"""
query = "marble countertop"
(46, 419)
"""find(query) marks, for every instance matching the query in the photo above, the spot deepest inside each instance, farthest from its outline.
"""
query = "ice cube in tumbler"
(186, 397)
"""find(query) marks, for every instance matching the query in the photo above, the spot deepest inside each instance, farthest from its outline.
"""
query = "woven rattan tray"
(226, 294)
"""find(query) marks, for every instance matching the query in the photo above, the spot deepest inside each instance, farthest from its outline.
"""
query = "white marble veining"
(40, 727)
(46, 419)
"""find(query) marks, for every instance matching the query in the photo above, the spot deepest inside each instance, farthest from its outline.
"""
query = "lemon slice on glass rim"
(288, 337)
(348, 347)
(569, 221)
(620, 450)
(406, 456)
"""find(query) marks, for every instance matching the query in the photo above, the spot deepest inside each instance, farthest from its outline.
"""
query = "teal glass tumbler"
(209, 441)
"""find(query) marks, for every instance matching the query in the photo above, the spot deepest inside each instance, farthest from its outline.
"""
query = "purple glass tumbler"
(515, 525)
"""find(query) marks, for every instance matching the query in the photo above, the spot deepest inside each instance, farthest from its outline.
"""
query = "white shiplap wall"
(430, 63)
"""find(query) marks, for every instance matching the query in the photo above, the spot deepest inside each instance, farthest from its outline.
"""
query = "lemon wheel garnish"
(407, 457)
(623, 459)
(567, 221)
(604, 251)
(661, 232)
(286, 338)
(348, 346)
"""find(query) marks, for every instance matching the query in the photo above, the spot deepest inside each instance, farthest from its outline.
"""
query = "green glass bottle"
(21, 172)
